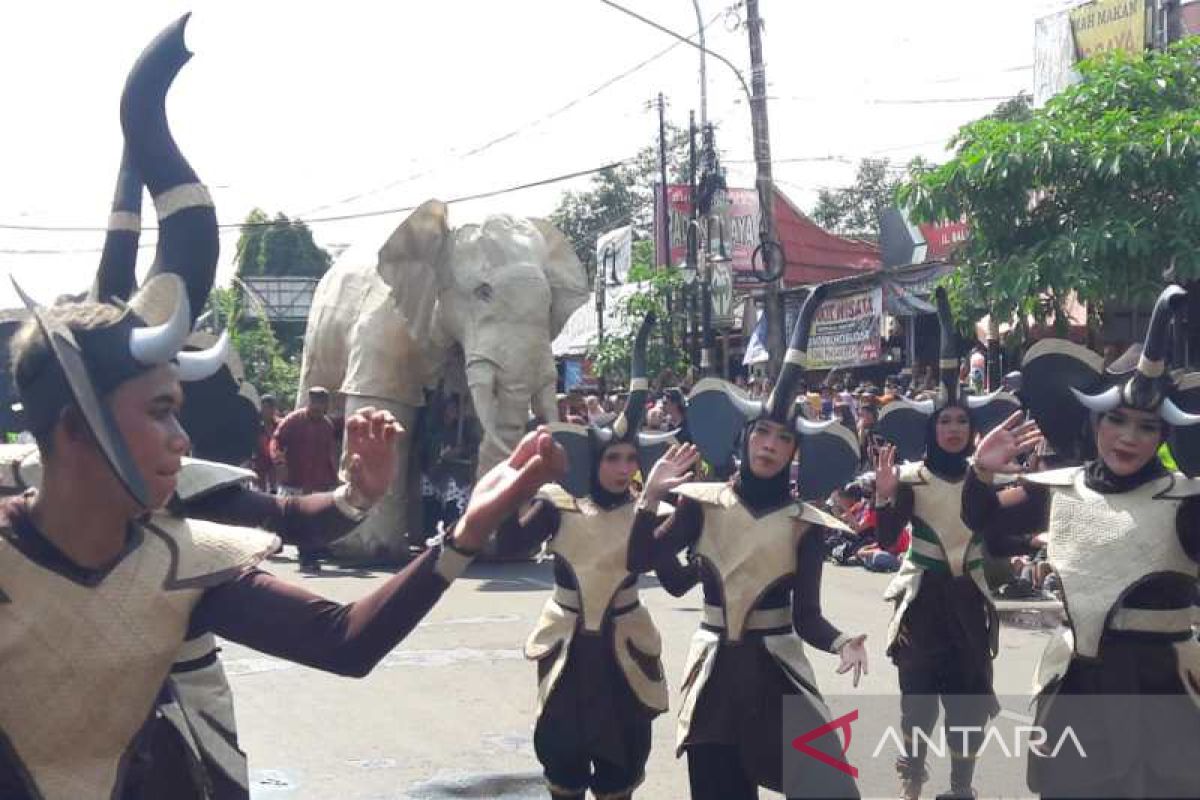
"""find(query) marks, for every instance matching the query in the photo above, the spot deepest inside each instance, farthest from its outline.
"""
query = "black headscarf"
(952, 466)
(761, 494)
(600, 496)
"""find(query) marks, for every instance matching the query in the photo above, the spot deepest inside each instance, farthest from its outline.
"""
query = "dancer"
(98, 585)
(198, 701)
(600, 677)
(944, 630)
(759, 553)
(1123, 533)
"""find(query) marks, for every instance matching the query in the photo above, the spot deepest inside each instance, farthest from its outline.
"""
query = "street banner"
(1109, 25)
(614, 253)
(909, 292)
(846, 331)
(1053, 57)
(740, 215)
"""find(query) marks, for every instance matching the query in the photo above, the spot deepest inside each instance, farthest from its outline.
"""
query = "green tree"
(250, 334)
(1097, 193)
(855, 210)
(279, 246)
(621, 195)
(612, 358)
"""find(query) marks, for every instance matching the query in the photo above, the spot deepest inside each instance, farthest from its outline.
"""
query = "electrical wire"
(237, 226)
(521, 129)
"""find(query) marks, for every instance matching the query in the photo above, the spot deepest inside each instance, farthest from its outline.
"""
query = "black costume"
(759, 554)
(85, 651)
(944, 631)
(1127, 550)
(600, 677)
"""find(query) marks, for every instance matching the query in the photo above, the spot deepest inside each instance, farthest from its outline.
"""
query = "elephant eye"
(484, 292)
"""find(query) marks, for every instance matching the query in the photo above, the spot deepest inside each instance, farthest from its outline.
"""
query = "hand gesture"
(503, 489)
(887, 476)
(371, 454)
(854, 657)
(673, 469)
(999, 449)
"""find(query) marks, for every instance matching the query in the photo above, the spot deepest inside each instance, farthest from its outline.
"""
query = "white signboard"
(614, 254)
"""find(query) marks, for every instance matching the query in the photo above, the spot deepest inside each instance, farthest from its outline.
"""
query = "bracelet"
(888, 503)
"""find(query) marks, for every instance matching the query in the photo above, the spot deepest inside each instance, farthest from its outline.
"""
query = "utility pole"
(772, 254)
(664, 198)
(662, 179)
(692, 244)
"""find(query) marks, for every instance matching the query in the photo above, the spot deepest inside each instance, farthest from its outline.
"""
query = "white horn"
(1175, 415)
(1099, 402)
(201, 364)
(159, 344)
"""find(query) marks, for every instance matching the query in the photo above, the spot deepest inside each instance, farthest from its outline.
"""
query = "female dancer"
(600, 679)
(759, 553)
(1119, 687)
(944, 630)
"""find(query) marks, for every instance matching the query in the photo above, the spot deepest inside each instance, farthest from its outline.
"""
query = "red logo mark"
(800, 743)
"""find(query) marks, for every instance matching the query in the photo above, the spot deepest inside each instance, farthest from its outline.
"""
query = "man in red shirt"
(305, 445)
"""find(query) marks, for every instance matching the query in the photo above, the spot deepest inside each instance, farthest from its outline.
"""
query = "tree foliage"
(855, 210)
(250, 334)
(619, 196)
(611, 358)
(1096, 193)
(279, 246)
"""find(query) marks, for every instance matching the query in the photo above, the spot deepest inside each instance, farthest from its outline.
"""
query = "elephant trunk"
(187, 243)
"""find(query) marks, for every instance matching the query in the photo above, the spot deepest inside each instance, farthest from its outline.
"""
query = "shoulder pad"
(1182, 486)
(199, 477)
(558, 497)
(913, 472)
(708, 492)
(1054, 477)
(818, 517)
(208, 553)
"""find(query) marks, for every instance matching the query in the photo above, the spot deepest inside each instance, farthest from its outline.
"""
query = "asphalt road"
(449, 713)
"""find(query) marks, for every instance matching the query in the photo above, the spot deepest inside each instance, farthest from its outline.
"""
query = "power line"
(336, 218)
(521, 129)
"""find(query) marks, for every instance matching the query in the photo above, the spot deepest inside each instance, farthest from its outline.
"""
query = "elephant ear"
(1185, 439)
(1051, 369)
(651, 447)
(410, 262)
(565, 273)
(221, 412)
(903, 423)
(828, 458)
(989, 410)
(717, 412)
(576, 441)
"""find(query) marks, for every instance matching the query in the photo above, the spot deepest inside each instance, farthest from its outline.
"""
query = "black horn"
(116, 277)
(948, 355)
(1146, 388)
(795, 361)
(187, 241)
(630, 421)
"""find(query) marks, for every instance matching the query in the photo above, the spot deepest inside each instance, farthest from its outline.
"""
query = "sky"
(323, 109)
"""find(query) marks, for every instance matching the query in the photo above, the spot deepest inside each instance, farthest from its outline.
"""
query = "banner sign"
(614, 253)
(846, 331)
(909, 292)
(740, 216)
(1109, 25)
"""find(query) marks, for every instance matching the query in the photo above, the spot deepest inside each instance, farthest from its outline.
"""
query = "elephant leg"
(382, 536)
(545, 403)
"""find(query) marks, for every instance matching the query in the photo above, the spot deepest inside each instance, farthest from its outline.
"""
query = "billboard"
(740, 215)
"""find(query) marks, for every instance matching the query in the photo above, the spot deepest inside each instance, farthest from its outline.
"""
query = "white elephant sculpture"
(379, 332)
